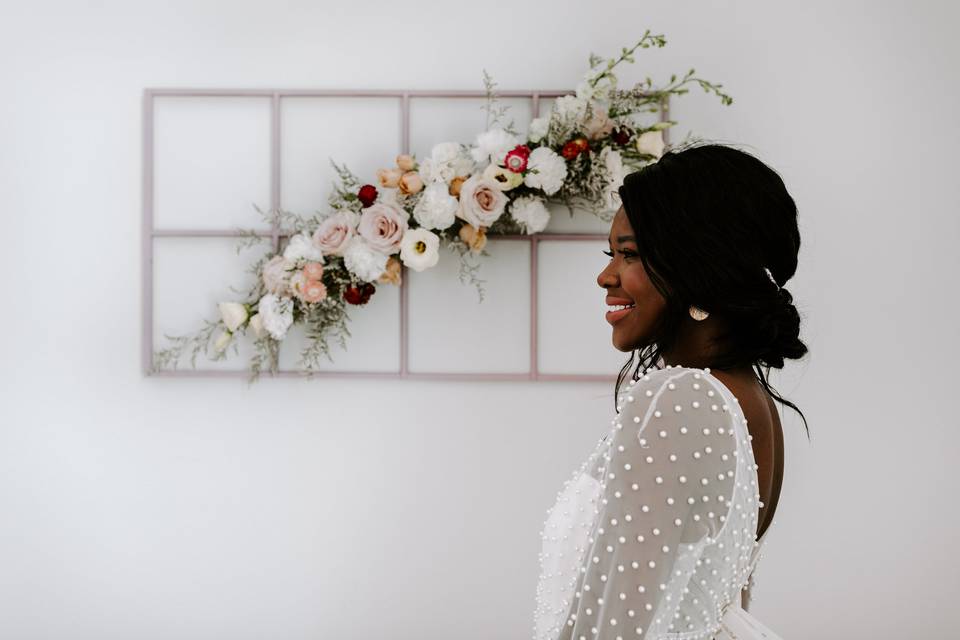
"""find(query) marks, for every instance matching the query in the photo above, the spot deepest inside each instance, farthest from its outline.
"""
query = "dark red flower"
(582, 144)
(622, 136)
(359, 294)
(517, 157)
(570, 150)
(367, 195)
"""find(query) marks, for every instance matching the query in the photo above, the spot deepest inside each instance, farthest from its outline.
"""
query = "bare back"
(763, 423)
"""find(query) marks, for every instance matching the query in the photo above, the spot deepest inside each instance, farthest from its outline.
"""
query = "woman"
(657, 534)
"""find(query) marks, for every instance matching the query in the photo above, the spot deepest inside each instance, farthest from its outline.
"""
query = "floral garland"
(577, 155)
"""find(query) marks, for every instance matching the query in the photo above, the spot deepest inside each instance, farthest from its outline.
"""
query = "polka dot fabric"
(654, 536)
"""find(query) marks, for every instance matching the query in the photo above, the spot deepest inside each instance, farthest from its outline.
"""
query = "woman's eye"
(625, 254)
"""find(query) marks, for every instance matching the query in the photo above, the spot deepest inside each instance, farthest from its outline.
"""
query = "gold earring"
(697, 313)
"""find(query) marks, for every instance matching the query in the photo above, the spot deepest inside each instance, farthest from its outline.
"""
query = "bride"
(656, 535)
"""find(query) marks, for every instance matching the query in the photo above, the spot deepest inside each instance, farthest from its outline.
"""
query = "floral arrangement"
(459, 194)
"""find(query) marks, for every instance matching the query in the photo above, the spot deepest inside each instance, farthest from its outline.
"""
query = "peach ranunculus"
(313, 291)
(382, 225)
(599, 125)
(334, 233)
(474, 238)
(313, 270)
(410, 182)
(481, 201)
(389, 177)
(391, 274)
(406, 162)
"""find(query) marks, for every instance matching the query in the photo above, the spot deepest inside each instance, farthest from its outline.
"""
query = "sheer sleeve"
(667, 481)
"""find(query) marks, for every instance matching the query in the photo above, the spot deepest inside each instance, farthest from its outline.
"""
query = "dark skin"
(625, 277)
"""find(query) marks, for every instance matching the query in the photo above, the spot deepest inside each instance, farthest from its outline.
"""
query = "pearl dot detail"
(601, 578)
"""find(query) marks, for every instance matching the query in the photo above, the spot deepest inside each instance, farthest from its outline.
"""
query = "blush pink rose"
(481, 201)
(382, 225)
(334, 233)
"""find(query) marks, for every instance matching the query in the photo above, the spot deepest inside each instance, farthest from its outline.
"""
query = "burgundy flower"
(367, 195)
(359, 294)
(622, 136)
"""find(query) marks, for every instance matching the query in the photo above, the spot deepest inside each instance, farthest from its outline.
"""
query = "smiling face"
(626, 282)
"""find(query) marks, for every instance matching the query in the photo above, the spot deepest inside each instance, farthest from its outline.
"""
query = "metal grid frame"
(149, 232)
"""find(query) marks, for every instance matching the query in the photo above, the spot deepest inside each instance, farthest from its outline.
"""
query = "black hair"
(708, 219)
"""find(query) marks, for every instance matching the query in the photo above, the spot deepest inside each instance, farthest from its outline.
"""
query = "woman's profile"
(658, 532)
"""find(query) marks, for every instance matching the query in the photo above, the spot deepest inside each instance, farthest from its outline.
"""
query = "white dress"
(654, 536)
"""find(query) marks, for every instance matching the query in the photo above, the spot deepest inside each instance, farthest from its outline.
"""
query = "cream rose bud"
(651, 142)
(389, 177)
(503, 177)
(473, 237)
(233, 314)
(256, 323)
(223, 341)
(481, 201)
(406, 162)
(410, 182)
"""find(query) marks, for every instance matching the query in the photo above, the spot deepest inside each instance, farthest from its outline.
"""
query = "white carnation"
(436, 208)
(301, 246)
(531, 212)
(493, 145)
(419, 249)
(363, 260)
(276, 314)
(538, 129)
(447, 160)
(546, 170)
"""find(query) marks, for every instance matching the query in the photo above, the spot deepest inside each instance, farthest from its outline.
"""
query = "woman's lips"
(614, 316)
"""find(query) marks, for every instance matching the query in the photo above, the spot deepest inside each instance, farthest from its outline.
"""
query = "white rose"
(277, 314)
(363, 260)
(234, 314)
(538, 129)
(419, 249)
(436, 208)
(545, 170)
(300, 246)
(651, 142)
(531, 212)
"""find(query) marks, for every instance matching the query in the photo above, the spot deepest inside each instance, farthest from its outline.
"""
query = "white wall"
(139, 507)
